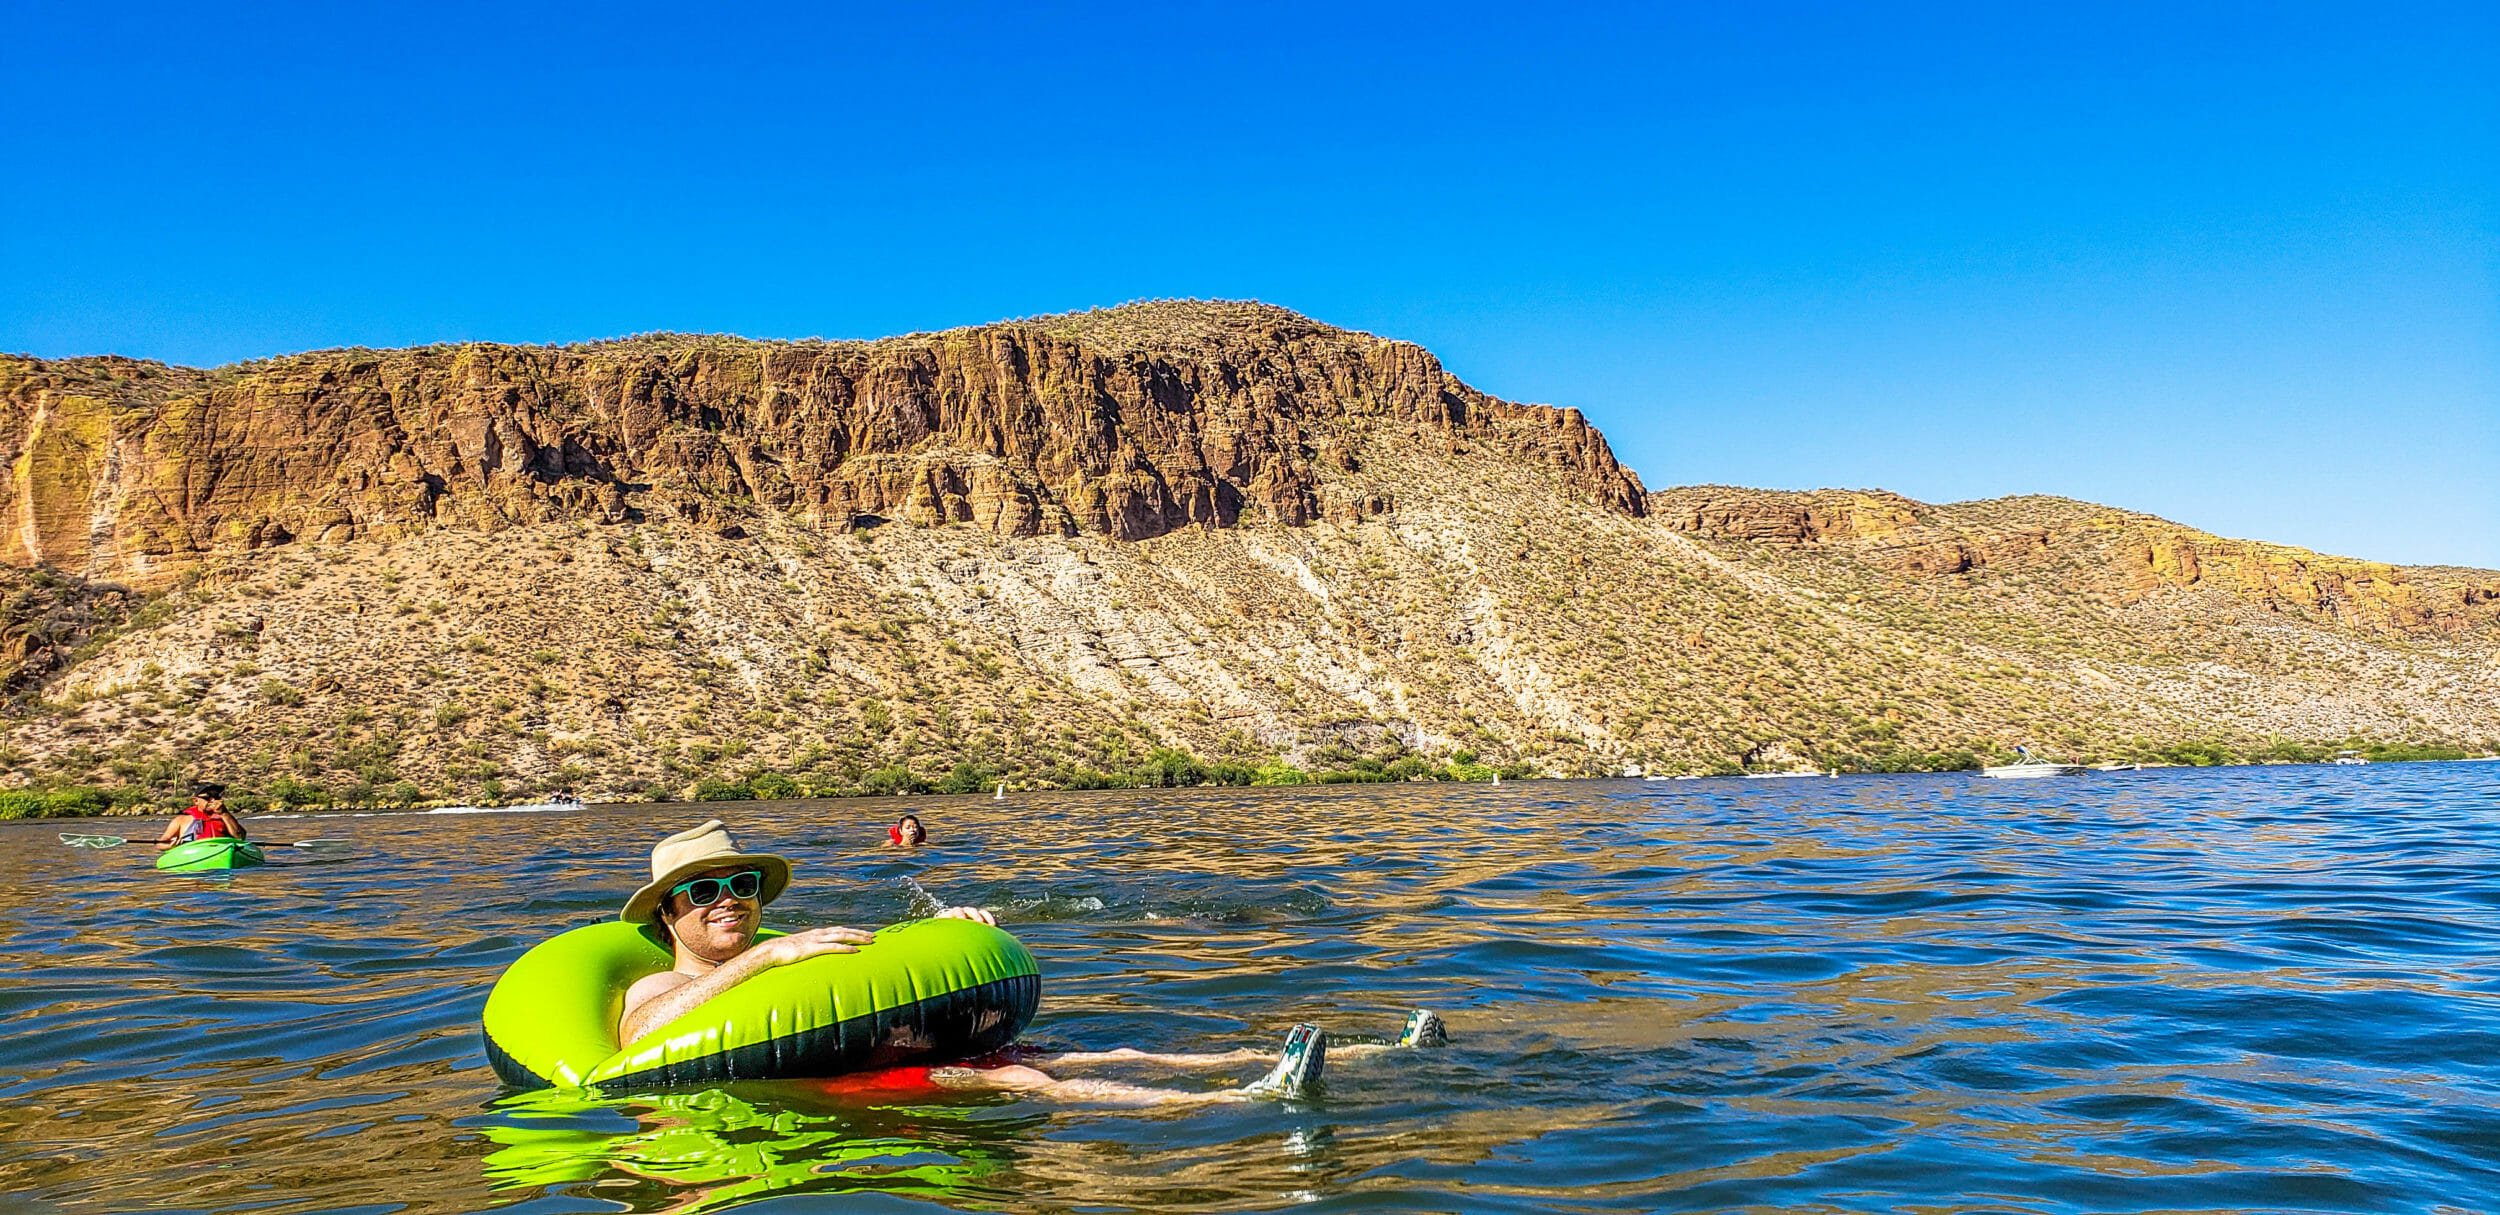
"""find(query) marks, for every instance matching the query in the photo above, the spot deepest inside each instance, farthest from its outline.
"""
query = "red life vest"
(205, 825)
(895, 833)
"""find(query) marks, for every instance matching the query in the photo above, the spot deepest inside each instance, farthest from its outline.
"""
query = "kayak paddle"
(115, 841)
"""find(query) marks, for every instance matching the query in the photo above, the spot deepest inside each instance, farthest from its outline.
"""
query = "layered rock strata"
(126, 470)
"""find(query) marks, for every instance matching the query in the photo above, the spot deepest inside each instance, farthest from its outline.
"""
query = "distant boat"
(2035, 768)
(2032, 767)
(2117, 767)
(1655, 776)
(2349, 758)
(1778, 775)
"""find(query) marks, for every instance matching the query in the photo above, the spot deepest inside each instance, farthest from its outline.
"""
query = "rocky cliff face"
(2124, 556)
(1129, 424)
(1052, 546)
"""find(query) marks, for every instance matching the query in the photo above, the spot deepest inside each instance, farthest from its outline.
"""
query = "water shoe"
(1306, 1051)
(1423, 1028)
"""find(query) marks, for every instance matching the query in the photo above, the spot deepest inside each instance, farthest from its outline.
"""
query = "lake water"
(2180, 990)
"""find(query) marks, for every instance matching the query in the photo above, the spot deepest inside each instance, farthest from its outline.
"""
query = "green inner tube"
(927, 991)
(199, 856)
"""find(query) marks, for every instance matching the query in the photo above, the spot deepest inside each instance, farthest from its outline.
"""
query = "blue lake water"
(2207, 990)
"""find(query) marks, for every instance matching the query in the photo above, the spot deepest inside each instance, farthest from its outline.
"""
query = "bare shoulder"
(651, 987)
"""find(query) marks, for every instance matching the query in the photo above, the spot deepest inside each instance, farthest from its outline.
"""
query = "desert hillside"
(1067, 550)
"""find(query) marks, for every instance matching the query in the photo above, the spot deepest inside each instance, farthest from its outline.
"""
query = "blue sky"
(2234, 264)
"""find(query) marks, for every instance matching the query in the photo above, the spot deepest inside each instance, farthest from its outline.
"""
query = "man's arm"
(233, 823)
(664, 1003)
(173, 832)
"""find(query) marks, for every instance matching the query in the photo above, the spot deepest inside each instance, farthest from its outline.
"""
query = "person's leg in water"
(1298, 1067)
(1423, 1029)
(1304, 1054)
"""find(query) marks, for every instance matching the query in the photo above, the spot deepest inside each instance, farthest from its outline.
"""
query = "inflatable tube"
(924, 992)
(202, 856)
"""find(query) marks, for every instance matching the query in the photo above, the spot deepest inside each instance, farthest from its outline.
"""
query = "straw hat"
(692, 851)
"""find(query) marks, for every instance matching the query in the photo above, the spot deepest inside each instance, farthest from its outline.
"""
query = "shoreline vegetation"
(1163, 768)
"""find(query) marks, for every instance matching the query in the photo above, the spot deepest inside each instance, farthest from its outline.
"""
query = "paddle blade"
(93, 841)
(323, 845)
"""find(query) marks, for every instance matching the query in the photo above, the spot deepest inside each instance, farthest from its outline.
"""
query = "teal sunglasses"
(703, 892)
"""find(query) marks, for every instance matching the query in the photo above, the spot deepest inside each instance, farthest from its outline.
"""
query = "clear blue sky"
(2238, 265)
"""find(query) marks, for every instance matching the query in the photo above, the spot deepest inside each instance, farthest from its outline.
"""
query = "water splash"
(923, 903)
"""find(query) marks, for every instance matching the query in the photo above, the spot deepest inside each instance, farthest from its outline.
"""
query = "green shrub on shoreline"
(1161, 768)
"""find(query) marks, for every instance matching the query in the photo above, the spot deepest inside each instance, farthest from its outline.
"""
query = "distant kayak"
(202, 856)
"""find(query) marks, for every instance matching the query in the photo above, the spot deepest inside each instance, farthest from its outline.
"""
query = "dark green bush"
(967, 778)
(892, 781)
(75, 802)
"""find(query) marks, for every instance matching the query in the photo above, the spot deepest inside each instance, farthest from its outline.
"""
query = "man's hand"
(968, 913)
(781, 951)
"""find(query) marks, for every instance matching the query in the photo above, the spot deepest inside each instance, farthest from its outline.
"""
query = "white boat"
(550, 807)
(2345, 758)
(1777, 775)
(2032, 769)
(1656, 776)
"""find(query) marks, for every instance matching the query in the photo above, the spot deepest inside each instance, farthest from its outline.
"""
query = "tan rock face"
(1129, 425)
(2128, 556)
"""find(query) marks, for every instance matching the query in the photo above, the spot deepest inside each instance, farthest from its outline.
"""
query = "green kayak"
(201, 856)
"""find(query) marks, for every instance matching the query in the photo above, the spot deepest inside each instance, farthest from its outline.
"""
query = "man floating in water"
(706, 900)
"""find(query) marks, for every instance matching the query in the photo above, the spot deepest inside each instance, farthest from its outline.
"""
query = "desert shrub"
(1278, 772)
(890, 781)
(967, 778)
(1231, 774)
(1168, 768)
(2383, 753)
(715, 789)
(77, 801)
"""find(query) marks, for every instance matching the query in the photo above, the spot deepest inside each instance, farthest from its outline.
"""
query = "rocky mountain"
(1047, 550)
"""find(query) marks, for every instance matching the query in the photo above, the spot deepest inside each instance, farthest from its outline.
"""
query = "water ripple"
(2218, 990)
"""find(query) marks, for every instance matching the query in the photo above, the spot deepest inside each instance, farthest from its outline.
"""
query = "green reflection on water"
(714, 1149)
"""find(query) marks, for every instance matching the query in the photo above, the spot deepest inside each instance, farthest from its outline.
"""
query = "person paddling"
(706, 900)
(206, 818)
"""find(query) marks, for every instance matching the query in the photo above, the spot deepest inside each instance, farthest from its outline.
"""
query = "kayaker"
(906, 833)
(206, 818)
(706, 898)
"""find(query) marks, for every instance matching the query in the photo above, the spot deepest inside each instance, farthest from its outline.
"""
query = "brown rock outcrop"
(2125, 556)
(1129, 423)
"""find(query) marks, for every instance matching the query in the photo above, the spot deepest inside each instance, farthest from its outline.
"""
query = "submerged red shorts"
(911, 1081)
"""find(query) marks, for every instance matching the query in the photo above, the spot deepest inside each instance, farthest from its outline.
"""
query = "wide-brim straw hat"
(692, 851)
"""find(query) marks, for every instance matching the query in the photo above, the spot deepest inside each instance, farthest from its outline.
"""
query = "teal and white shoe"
(1306, 1052)
(1423, 1028)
